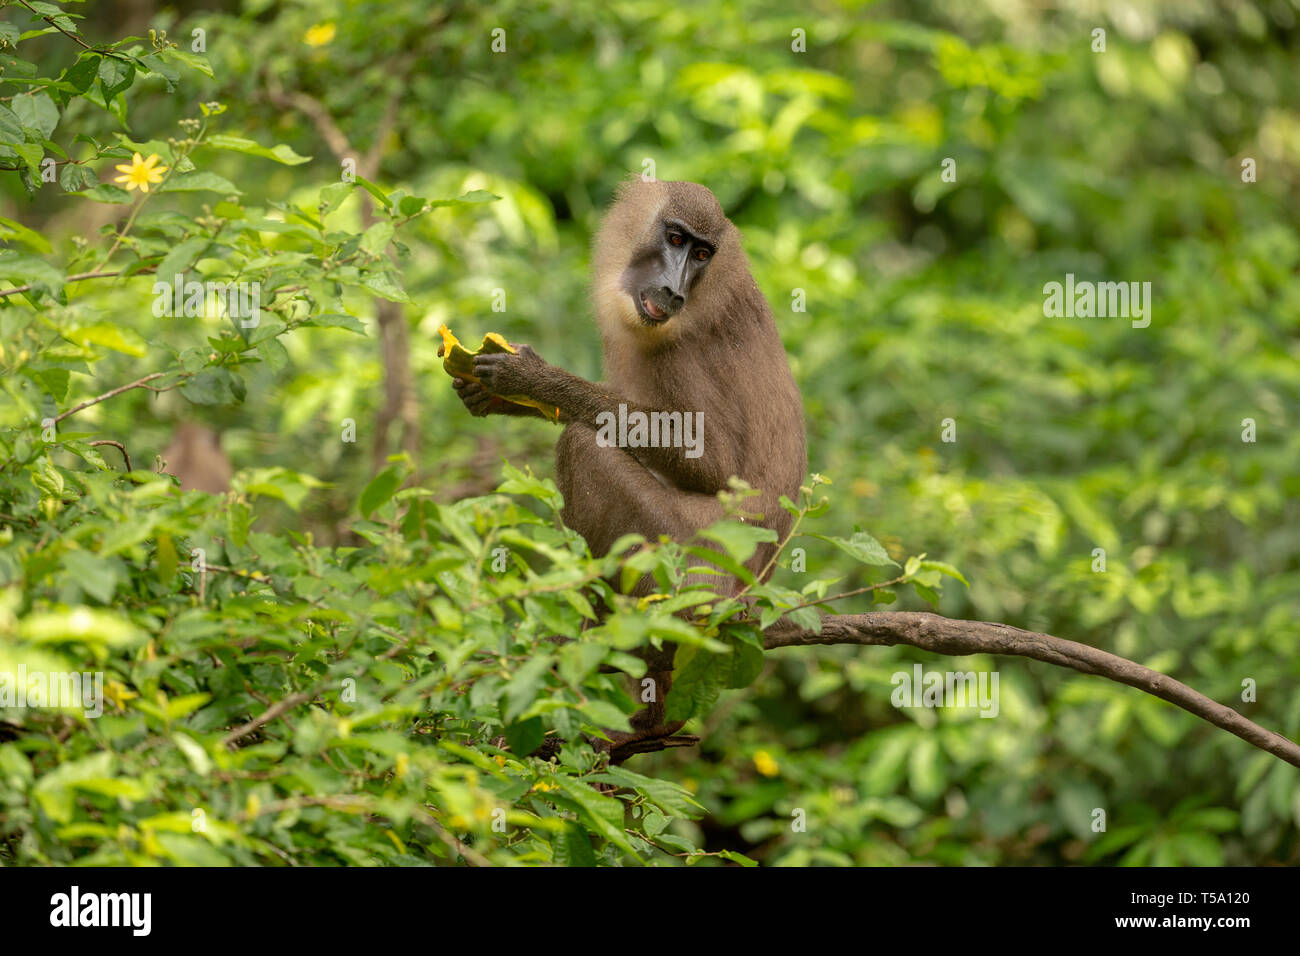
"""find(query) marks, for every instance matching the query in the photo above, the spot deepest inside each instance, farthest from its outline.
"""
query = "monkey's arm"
(525, 373)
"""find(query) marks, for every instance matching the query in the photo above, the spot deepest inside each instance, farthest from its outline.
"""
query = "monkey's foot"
(622, 746)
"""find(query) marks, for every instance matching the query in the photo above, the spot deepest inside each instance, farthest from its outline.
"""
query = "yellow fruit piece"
(458, 362)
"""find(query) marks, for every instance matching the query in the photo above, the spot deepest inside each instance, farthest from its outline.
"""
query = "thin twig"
(268, 715)
(70, 36)
(76, 278)
(856, 591)
(119, 446)
(472, 857)
(138, 383)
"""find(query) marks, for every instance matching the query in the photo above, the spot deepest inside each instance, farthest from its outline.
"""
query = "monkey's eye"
(676, 238)
(702, 254)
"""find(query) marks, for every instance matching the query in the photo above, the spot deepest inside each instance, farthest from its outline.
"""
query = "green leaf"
(337, 320)
(927, 593)
(107, 192)
(522, 689)
(115, 75)
(36, 111)
(238, 144)
(376, 238)
(602, 814)
(22, 269)
(381, 488)
(738, 539)
(211, 386)
(156, 64)
(735, 856)
(178, 707)
(573, 847)
(11, 230)
(525, 736)
(672, 798)
(11, 127)
(944, 568)
(82, 625)
(861, 547)
(332, 196)
(74, 178)
(182, 256)
(196, 61)
(116, 337)
(97, 576)
(468, 199)
(375, 191)
(410, 205)
(384, 285)
(199, 181)
(82, 73)
(696, 684)
(53, 381)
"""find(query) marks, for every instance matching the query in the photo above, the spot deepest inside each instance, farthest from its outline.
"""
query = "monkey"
(684, 328)
(195, 457)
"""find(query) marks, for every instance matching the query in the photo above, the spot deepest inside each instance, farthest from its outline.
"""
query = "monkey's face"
(665, 270)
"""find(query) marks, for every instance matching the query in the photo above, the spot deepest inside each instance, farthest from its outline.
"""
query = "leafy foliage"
(415, 677)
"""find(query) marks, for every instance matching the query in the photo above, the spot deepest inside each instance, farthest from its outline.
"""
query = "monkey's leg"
(608, 493)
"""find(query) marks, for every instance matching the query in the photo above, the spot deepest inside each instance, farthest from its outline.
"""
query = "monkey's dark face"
(663, 272)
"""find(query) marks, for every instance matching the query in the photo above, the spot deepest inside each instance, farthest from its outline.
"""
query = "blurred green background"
(924, 301)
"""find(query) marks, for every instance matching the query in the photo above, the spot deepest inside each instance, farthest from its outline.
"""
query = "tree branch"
(118, 445)
(942, 635)
(138, 383)
(76, 278)
(268, 715)
(400, 402)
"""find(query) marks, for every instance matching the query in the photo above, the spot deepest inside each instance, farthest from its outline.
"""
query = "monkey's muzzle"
(658, 305)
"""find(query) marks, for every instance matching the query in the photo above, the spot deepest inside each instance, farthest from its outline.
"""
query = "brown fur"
(195, 457)
(720, 355)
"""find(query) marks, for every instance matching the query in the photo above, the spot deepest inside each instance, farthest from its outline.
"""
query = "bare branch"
(138, 383)
(268, 715)
(51, 21)
(472, 857)
(76, 278)
(941, 635)
(119, 446)
(400, 403)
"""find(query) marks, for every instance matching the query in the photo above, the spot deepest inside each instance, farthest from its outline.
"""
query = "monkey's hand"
(481, 402)
(503, 373)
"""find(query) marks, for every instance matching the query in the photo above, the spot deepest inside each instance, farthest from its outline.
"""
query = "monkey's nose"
(675, 299)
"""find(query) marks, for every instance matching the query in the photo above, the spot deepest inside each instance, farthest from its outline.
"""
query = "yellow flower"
(141, 173)
(118, 693)
(649, 599)
(320, 34)
(765, 765)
